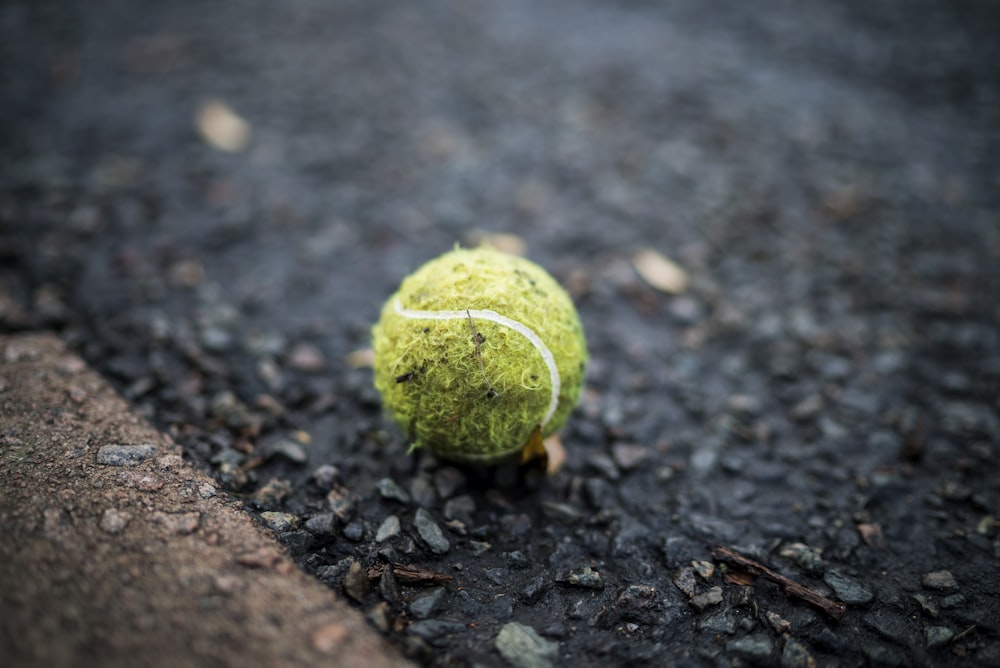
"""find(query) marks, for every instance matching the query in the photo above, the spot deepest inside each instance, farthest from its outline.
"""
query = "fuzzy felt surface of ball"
(477, 352)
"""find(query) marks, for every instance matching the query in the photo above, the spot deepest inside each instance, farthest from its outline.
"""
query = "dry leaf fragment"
(221, 127)
(556, 453)
(660, 272)
(361, 359)
(871, 534)
(503, 242)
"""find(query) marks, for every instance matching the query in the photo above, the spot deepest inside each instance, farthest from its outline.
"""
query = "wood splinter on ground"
(834, 609)
(411, 574)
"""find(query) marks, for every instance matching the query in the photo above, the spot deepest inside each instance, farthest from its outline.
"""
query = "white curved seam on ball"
(518, 327)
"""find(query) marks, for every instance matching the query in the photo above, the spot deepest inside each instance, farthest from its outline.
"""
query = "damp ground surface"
(211, 202)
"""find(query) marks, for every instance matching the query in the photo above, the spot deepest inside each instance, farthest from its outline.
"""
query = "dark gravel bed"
(821, 398)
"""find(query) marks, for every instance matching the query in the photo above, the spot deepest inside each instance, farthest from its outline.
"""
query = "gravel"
(430, 532)
(124, 455)
(848, 589)
(522, 647)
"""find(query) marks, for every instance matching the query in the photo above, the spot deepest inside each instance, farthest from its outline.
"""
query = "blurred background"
(779, 221)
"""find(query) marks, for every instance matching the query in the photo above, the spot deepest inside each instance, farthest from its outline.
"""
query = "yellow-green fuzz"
(475, 351)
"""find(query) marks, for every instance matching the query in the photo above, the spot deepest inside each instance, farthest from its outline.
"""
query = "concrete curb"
(117, 552)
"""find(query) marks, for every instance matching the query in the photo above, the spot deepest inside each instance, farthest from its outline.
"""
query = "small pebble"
(717, 623)
(354, 531)
(378, 615)
(422, 492)
(356, 582)
(125, 455)
(586, 577)
(684, 579)
(940, 580)
(325, 477)
(807, 558)
(436, 630)
(291, 450)
(927, 604)
(778, 623)
(114, 521)
(706, 569)
(936, 636)
(636, 602)
(561, 512)
(707, 599)
(329, 639)
(297, 542)
(848, 589)
(795, 655)
(279, 521)
(448, 480)
(479, 547)
(604, 465)
(272, 493)
(307, 358)
(430, 532)
(522, 647)
(426, 603)
(388, 587)
(340, 503)
(629, 455)
(179, 524)
(389, 528)
(807, 408)
(388, 488)
(321, 525)
(460, 508)
(952, 601)
(755, 648)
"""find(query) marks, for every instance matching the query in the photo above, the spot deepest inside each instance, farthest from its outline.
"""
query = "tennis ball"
(477, 353)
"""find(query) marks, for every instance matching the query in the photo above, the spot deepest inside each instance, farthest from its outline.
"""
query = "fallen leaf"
(660, 272)
(221, 127)
(556, 454)
(505, 243)
(361, 359)
(872, 535)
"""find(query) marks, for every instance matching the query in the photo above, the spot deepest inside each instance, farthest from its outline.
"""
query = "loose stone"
(936, 636)
(707, 599)
(448, 480)
(422, 492)
(321, 525)
(586, 577)
(430, 532)
(628, 456)
(848, 589)
(179, 524)
(114, 520)
(291, 450)
(426, 603)
(436, 630)
(389, 528)
(125, 455)
(522, 647)
(460, 508)
(927, 604)
(356, 581)
(940, 580)
(279, 521)
(795, 655)
(754, 648)
(388, 488)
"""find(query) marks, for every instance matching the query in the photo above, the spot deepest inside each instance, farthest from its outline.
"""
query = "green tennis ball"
(476, 352)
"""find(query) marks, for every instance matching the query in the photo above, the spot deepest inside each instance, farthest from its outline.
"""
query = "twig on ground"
(833, 609)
